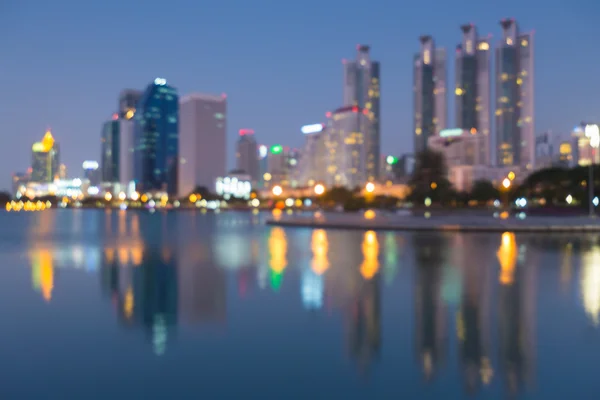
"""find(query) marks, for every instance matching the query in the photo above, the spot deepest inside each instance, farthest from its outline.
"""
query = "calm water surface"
(132, 305)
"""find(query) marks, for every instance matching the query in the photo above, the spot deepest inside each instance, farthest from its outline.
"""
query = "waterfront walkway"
(456, 223)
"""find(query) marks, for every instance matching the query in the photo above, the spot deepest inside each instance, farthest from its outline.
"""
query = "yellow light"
(506, 183)
(519, 81)
(277, 190)
(108, 196)
(135, 196)
(370, 187)
(370, 249)
(276, 214)
(319, 189)
(511, 176)
(507, 256)
(130, 113)
(298, 203)
(267, 177)
(458, 92)
(433, 185)
(483, 46)
(369, 214)
(320, 247)
(144, 198)
(524, 42)
(122, 196)
(164, 198)
(192, 198)
(8, 206)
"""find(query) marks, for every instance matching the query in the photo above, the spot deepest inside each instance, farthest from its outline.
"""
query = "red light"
(354, 109)
(365, 111)
(246, 132)
(328, 114)
(224, 95)
(115, 117)
(358, 47)
(344, 61)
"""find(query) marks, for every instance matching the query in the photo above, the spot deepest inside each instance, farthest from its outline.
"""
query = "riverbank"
(447, 223)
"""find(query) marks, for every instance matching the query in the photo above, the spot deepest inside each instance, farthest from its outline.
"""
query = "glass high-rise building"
(429, 86)
(515, 123)
(109, 158)
(473, 84)
(156, 134)
(128, 100)
(246, 154)
(362, 89)
(45, 159)
(117, 154)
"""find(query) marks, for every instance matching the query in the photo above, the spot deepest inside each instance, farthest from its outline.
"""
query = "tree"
(4, 198)
(484, 191)
(429, 179)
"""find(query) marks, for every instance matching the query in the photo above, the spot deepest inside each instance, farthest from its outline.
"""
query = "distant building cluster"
(160, 144)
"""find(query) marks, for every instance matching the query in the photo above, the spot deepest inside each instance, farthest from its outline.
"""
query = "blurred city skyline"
(280, 66)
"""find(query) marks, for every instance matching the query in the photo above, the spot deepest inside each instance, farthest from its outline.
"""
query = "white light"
(569, 199)
(90, 165)
(151, 203)
(255, 202)
(93, 190)
(593, 133)
(314, 128)
(307, 203)
(77, 182)
(451, 132)
(289, 202)
(160, 81)
(263, 151)
(596, 201)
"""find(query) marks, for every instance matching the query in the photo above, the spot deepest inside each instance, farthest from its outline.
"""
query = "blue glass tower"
(156, 135)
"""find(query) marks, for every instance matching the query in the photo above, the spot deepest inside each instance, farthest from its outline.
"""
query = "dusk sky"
(64, 62)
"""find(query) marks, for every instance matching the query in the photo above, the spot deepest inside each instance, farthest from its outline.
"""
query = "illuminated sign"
(276, 149)
(314, 128)
(160, 81)
(244, 132)
(391, 160)
(90, 165)
(451, 132)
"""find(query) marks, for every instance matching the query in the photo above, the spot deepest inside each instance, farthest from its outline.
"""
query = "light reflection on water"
(449, 314)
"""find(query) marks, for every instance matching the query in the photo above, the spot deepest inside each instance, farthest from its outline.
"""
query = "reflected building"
(430, 310)
(277, 244)
(473, 318)
(516, 317)
(42, 272)
(365, 306)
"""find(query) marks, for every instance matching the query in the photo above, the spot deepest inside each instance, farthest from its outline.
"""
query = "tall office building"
(202, 141)
(156, 148)
(429, 86)
(473, 84)
(362, 89)
(117, 154)
(45, 159)
(128, 100)
(91, 172)
(246, 154)
(313, 167)
(515, 123)
(346, 145)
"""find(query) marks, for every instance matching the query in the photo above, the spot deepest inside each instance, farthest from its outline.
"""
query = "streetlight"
(592, 132)
(277, 190)
(370, 187)
(319, 189)
(506, 183)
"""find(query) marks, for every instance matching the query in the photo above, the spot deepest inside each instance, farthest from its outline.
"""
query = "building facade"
(117, 155)
(429, 87)
(362, 89)
(346, 147)
(91, 172)
(246, 154)
(128, 101)
(156, 139)
(473, 86)
(313, 166)
(515, 119)
(202, 141)
(45, 159)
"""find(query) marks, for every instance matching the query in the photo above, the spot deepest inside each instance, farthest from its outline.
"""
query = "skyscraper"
(246, 154)
(156, 150)
(430, 104)
(515, 123)
(472, 93)
(45, 159)
(202, 141)
(117, 154)
(362, 89)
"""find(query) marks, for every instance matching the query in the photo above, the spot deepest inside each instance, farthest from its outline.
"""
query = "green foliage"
(4, 198)
(484, 191)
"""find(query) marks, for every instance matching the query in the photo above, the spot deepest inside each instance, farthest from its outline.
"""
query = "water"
(123, 305)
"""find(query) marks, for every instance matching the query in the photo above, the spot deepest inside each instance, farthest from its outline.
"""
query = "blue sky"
(65, 61)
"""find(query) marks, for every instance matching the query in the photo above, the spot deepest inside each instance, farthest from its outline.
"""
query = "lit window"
(504, 77)
(418, 131)
(519, 81)
(509, 41)
(524, 42)
(426, 57)
(483, 46)
(459, 92)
